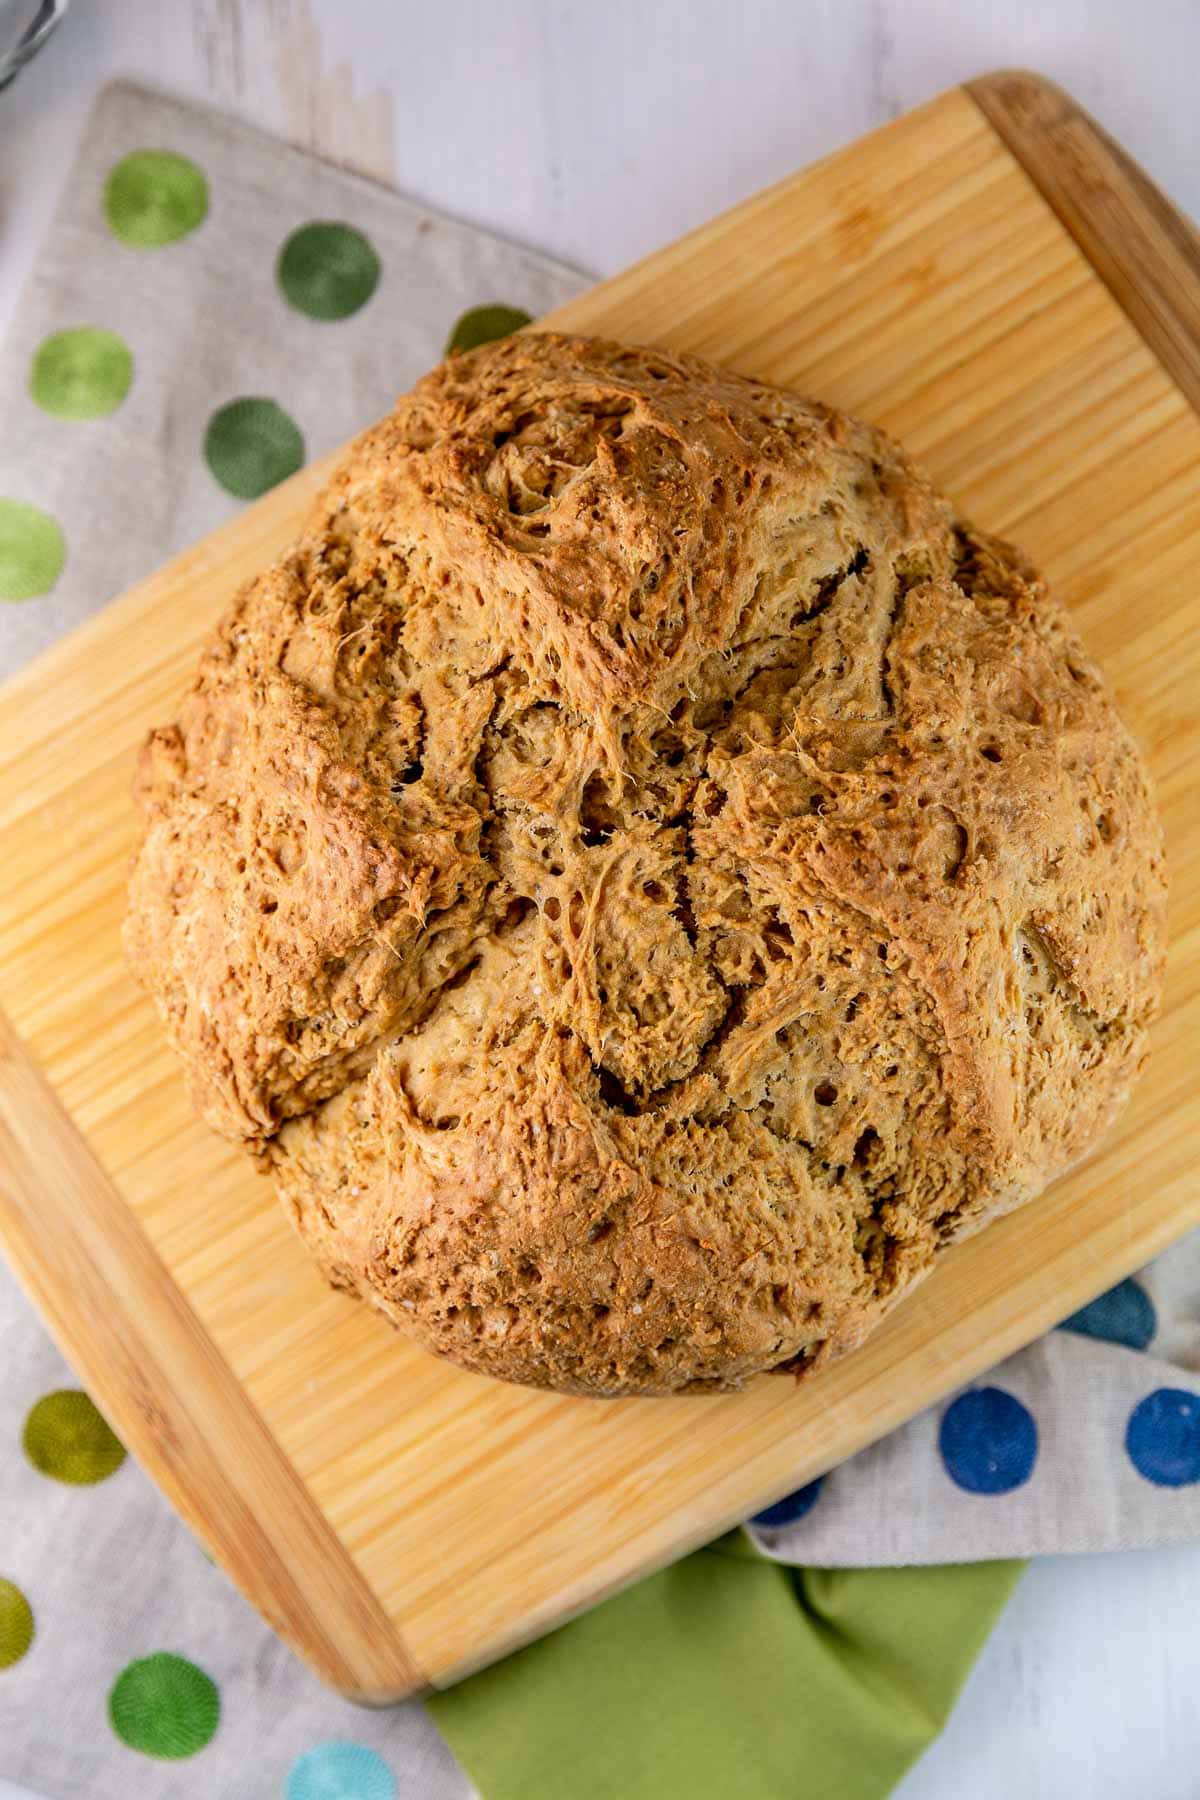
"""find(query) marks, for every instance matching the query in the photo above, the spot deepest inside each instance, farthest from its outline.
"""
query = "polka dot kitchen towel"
(212, 309)
(1088, 1440)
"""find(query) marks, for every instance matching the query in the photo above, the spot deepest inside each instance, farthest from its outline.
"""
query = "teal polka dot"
(81, 374)
(1124, 1315)
(250, 445)
(32, 551)
(339, 1771)
(483, 325)
(327, 270)
(154, 197)
(164, 1706)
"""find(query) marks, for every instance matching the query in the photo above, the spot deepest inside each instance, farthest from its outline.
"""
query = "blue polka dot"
(340, 1772)
(791, 1507)
(1125, 1315)
(1163, 1437)
(988, 1441)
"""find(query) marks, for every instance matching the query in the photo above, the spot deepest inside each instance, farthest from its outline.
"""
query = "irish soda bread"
(645, 874)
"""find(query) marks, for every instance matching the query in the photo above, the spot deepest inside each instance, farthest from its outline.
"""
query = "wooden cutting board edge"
(155, 1370)
(1146, 252)
(124, 1324)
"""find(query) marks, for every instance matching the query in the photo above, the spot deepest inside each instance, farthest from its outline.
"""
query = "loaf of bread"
(645, 874)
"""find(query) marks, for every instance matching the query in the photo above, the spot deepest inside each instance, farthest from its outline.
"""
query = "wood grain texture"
(130, 1332)
(917, 278)
(1141, 246)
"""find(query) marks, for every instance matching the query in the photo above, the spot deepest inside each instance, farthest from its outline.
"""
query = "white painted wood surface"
(599, 132)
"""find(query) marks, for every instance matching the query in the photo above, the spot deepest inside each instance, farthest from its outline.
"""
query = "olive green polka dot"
(250, 445)
(32, 551)
(16, 1624)
(153, 197)
(81, 374)
(327, 270)
(163, 1705)
(65, 1437)
(483, 325)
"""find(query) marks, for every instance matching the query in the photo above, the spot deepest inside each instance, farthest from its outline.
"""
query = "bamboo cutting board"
(992, 281)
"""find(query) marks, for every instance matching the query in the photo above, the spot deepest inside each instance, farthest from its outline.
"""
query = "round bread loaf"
(645, 874)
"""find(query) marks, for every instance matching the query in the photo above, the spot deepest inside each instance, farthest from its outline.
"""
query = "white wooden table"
(598, 133)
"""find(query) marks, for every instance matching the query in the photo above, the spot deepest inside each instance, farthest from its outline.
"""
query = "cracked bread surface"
(645, 874)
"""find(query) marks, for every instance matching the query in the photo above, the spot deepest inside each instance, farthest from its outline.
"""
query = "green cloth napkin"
(729, 1677)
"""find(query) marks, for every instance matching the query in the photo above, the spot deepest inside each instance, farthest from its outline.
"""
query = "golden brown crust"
(645, 873)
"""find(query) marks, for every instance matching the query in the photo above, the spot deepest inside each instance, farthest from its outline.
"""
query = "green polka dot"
(163, 1705)
(327, 270)
(65, 1437)
(16, 1624)
(250, 445)
(483, 325)
(81, 374)
(153, 197)
(32, 551)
